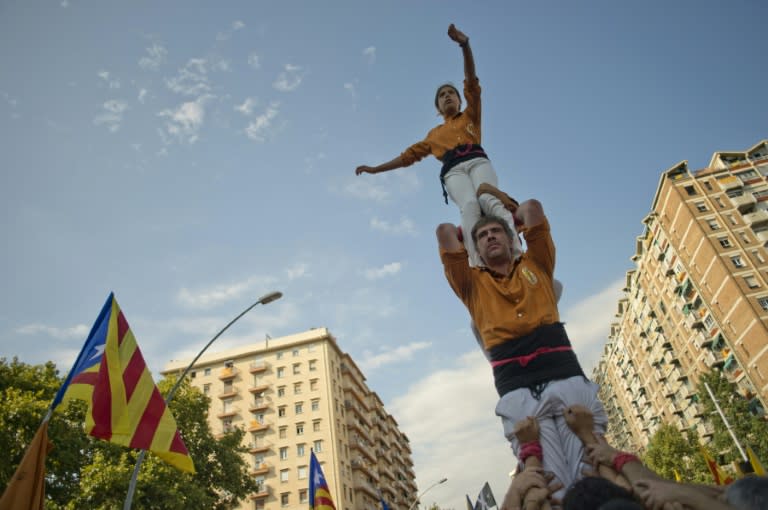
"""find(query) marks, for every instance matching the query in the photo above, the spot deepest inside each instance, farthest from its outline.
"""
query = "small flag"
(469, 503)
(26, 490)
(717, 473)
(383, 503)
(757, 467)
(124, 405)
(485, 499)
(319, 493)
(678, 478)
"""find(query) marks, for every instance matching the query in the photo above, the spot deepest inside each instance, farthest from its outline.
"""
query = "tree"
(671, 450)
(87, 473)
(750, 430)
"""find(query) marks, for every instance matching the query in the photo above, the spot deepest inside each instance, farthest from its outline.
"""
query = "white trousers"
(561, 448)
(461, 183)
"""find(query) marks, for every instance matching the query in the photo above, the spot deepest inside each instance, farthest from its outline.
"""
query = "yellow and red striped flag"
(124, 405)
(319, 493)
(720, 477)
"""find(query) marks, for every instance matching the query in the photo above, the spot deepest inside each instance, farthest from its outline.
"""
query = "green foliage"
(671, 450)
(86, 473)
(749, 429)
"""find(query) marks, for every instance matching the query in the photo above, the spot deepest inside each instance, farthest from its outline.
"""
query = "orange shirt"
(462, 129)
(506, 307)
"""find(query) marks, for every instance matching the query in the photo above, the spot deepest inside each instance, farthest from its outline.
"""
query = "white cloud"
(112, 116)
(142, 95)
(258, 129)
(372, 361)
(405, 226)
(79, 331)
(253, 61)
(588, 322)
(370, 54)
(238, 25)
(105, 76)
(155, 56)
(289, 79)
(247, 107)
(383, 271)
(350, 87)
(449, 418)
(192, 79)
(185, 122)
(365, 189)
(297, 271)
(218, 294)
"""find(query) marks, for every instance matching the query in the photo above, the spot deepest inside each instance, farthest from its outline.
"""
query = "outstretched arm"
(469, 61)
(384, 167)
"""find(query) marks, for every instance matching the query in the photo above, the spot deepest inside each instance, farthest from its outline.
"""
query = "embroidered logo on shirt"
(471, 129)
(532, 279)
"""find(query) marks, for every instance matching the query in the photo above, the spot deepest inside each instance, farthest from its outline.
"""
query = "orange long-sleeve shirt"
(462, 129)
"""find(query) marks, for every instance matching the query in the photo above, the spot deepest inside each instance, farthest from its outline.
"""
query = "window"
(719, 202)
(725, 242)
(302, 472)
(732, 219)
(206, 389)
(281, 391)
(701, 206)
(299, 407)
(283, 452)
(312, 365)
(763, 302)
(316, 423)
(303, 496)
(283, 431)
(311, 347)
(316, 404)
(284, 500)
(737, 262)
(280, 372)
(226, 424)
(709, 321)
(751, 282)
(760, 194)
(733, 193)
(313, 385)
(317, 446)
(300, 429)
(192, 374)
(758, 256)
(279, 355)
(296, 368)
(283, 475)
(690, 190)
(297, 388)
(207, 371)
(295, 353)
(744, 237)
(713, 224)
(745, 176)
(708, 185)
(229, 364)
(281, 411)
(300, 449)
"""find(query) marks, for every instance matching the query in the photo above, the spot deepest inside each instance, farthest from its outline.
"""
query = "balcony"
(258, 366)
(260, 469)
(730, 182)
(258, 387)
(693, 321)
(759, 217)
(259, 447)
(705, 429)
(363, 448)
(228, 373)
(762, 236)
(226, 413)
(259, 404)
(744, 202)
(363, 466)
(229, 391)
(262, 492)
(257, 426)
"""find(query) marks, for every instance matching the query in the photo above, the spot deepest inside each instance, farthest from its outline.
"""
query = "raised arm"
(384, 167)
(463, 41)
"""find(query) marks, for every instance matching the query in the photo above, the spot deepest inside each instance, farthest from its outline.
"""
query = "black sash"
(457, 155)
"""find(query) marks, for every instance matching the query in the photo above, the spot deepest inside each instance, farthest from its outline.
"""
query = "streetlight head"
(268, 298)
(443, 480)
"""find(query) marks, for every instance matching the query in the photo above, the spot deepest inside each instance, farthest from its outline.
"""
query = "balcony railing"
(258, 366)
(227, 373)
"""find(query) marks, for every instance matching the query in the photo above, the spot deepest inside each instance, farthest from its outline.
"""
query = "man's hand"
(521, 484)
(581, 421)
(527, 430)
(601, 452)
(364, 169)
(457, 35)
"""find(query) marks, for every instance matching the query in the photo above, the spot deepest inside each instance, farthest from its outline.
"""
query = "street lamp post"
(443, 480)
(263, 300)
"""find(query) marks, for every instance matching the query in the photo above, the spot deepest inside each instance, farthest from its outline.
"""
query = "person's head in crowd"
(748, 493)
(592, 491)
(621, 504)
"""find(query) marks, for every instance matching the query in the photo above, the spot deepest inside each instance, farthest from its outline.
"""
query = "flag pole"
(263, 300)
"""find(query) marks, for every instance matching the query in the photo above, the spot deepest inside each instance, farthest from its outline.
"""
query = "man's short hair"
(748, 493)
(487, 220)
(591, 492)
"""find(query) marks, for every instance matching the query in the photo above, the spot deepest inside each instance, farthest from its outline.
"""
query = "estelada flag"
(26, 490)
(319, 493)
(720, 477)
(124, 405)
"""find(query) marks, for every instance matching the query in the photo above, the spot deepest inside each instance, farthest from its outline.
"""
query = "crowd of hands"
(616, 480)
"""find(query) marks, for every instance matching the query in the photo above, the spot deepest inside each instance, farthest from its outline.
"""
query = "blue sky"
(192, 157)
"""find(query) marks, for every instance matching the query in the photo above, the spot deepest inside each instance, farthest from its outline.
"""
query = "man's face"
(448, 101)
(493, 243)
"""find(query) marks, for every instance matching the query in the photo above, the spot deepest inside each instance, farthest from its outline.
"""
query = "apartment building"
(300, 393)
(696, 299)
